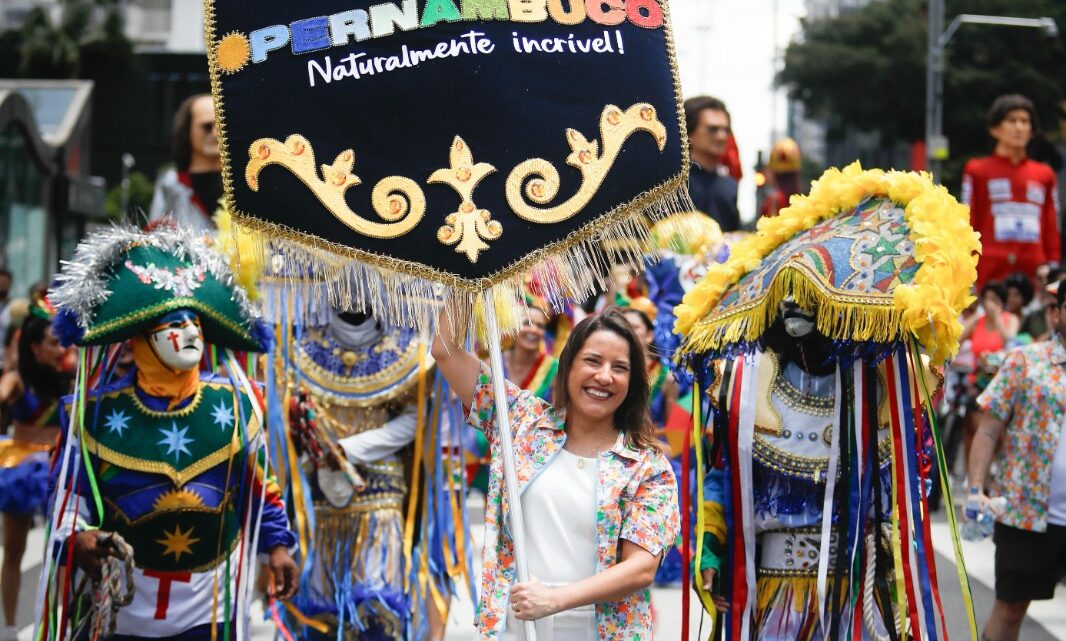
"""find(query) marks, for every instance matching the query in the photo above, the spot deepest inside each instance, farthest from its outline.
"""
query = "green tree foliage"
(140, 197)
(88, 34)
(866, 70)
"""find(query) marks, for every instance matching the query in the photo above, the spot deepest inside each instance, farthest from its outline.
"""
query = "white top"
(1056, 500)
(560, 522)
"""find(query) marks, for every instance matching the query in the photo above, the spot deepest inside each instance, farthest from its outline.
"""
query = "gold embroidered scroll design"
(468, 227)
(541, 178)
(398, 200)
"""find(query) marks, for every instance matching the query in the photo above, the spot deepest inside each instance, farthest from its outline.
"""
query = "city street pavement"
(1046, 621)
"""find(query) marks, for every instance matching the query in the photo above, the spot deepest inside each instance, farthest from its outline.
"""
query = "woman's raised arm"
(459, 367)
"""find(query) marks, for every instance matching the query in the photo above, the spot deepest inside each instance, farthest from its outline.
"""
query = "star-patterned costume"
(171, 458)
(168, 480)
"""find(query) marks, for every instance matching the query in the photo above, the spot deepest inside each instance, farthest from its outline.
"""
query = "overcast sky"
(726, 48)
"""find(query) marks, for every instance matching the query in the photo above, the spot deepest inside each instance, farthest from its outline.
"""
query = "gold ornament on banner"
(541, 178)
(468, 227)
(398, 200)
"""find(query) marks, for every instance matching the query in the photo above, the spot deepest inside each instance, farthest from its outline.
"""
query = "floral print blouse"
(636, 499)
(1029, 393)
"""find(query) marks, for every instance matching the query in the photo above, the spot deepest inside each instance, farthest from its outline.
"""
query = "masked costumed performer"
(359, 388)
(589, 468)
(169, 458)
(815, 504)
(33, 390)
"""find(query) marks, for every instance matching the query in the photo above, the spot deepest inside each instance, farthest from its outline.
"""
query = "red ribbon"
(901, 486)
(739, 565)
(686, 532)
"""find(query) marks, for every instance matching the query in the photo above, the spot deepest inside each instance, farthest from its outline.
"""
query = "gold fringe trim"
(862, 319)
(945, 247)
(406, 293)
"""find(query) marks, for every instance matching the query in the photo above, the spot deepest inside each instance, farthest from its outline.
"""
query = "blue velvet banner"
(449, 139)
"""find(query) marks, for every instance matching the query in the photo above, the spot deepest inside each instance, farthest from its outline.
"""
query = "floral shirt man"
(636, 500)
(1029, 395)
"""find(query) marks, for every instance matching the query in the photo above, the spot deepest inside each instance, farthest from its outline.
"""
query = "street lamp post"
(128, 162)
(936, 144)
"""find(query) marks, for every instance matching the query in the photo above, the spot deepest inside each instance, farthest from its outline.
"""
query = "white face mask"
(799, 322)
(178, 340)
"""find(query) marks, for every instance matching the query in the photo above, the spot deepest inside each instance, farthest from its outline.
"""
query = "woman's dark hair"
(643, 317)
(9, 336)
(631, 418)
(1003, 105)
(1021, 283)
(996, 288)
(1060, 292)
(45, 381)
(181, 136)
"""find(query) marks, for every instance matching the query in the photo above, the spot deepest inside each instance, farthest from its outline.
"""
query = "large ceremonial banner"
(459, 141)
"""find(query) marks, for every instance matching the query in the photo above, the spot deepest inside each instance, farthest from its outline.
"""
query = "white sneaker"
(9, 633)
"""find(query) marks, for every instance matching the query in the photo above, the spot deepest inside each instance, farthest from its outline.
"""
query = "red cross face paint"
(178, 340)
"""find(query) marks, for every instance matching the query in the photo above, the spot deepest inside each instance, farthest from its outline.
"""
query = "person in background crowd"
(1020, 296)
(33, 389)
(528, 363)
(1045, 275)
(1019, 293)
(1014, 200)
(15, 312)
(662, 394)
(5, 286)
(989, 333)
(713, 191)
(782, 176)
(641, 312)
(5, 317)
(189, 191)
(1048, 293)
(38, 291)
(1037, 318)
(1023, 407)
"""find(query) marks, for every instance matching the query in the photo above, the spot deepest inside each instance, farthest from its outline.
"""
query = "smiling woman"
(603, 495)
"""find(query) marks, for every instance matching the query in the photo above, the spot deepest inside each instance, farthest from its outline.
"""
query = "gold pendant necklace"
(602, 446)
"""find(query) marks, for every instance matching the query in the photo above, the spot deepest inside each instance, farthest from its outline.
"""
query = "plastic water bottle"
(980, 523)
(971, 530)
(997, 505)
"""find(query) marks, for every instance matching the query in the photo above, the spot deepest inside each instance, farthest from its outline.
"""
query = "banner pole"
(503, 425)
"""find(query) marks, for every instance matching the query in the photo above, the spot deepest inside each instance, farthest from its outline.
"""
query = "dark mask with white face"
(794, 337)
(799, 322)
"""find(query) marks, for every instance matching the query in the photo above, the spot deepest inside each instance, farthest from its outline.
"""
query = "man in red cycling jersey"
(1013, 199)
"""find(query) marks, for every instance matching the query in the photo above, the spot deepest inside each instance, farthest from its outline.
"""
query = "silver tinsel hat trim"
(82, 283)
